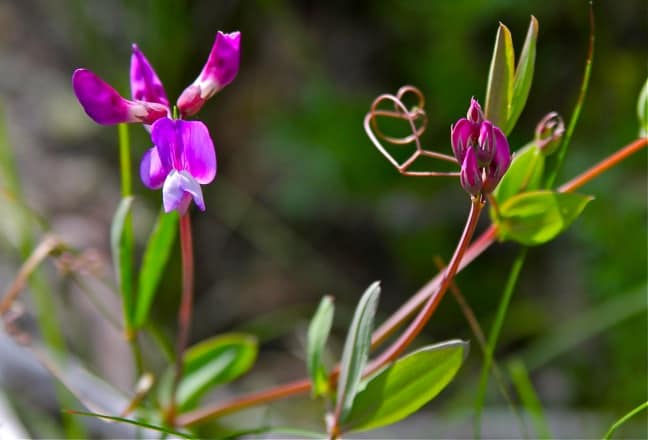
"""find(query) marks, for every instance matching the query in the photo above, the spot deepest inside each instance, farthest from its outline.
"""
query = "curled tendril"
(417, 119)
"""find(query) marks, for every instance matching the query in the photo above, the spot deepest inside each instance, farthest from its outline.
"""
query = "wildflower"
(482, 150)
(149, 102)
(182, 159)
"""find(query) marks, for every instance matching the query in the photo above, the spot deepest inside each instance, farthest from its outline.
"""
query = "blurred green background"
(303, 205)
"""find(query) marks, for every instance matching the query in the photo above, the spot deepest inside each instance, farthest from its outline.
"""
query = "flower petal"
(500, 163)
(165, 137)
(178, 190)
(220, 70)
(145, 84)
(106, 106)
(462, 135)
(199, 154)
(152, 172)
(470, 175)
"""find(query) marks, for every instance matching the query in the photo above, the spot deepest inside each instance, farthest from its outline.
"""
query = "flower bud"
(485, 144)
(548, 133)
(462, 136)
(470, 175)
(500, 163)
(475, 114)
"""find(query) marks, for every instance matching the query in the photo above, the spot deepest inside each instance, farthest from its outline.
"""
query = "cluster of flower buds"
(182, 157)
(482, 150)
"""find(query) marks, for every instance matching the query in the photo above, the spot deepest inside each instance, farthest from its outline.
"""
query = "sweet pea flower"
(149, 102)
(482, 150)
(182, 159)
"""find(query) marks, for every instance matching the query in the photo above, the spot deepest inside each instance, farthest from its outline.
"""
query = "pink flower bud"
(470, 175)
(485, 144)
(500, 163)
(475, 114)
(462, 136)
(548, 133)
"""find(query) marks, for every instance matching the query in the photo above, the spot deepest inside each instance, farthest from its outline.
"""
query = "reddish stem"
(480, 244)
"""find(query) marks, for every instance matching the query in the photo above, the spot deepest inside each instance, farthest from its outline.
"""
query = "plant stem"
(186, 303)
(478, 246)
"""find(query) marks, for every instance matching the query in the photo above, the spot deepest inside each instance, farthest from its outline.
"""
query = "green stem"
(494, 334)
(624, 419)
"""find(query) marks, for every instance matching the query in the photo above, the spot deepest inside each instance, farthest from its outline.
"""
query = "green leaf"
(131, 422)
(406, 385)
(534, 218)
(356, 350)
(214, 361)
(156, 255)
(642, 110)
(499, 90)
(523, 76)
(122, 259)
(318, 332)
(524, 174)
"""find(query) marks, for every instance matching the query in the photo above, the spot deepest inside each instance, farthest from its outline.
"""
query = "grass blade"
(121, 257)
(529, 398)
(131, 422)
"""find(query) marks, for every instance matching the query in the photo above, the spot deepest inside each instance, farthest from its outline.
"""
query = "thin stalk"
(478, 246)
(624, 419)
(185, 312)
(494, 334)
(529, 398)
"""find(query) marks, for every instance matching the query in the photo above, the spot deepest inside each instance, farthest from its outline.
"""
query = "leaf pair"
(508, 87)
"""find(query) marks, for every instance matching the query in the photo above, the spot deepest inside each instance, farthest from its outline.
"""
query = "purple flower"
(149, 101)
(182, 159)
(482, 150)
(220, 70)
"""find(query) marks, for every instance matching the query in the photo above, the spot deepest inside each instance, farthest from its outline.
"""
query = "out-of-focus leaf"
(524, 174)
(642, 110)
(499, 89)
(406, 385)
(121, 258)
(277, 430)
(131, 422)
(536, 217)
(155, 258)
(529, 397)
(318, 332)
(356, 350)
(214, 361)
(523, 76)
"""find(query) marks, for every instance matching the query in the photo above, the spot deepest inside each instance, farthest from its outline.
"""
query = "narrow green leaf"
(156, 255)
(536, 217)
(121, 258)
(642, 110)
(406, 385)
(318, 332)
(214, 361)
(356, 350)
(499, 90)
(283, 431)
(529, 398)
(523, 76)
(524, 174)
(624, 419)
(130, 422)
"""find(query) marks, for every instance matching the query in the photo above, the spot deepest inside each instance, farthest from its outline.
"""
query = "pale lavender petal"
(167, 139)
(145, 84)
(199, 153)
(470, 175)
(106, 106)
(152, 172)
(220, 70)
(462, 136)
(178, 190)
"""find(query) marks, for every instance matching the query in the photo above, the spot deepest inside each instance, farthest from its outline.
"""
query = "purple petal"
(485, 144)
(470, 175)
(500, 163)
(106, 106)
(178, 190)
(166, 138)
(220, 70)
(199, 153)
(475, 114)
(145, 84)
(462, 135)
(152, 172)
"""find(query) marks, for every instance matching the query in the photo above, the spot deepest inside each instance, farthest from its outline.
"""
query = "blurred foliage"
(303, 205)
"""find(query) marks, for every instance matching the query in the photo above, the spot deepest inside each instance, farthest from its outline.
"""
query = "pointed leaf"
(499, 89)
(534, 218)
(122, 258)
(214, 361)
(318, 332)
(156, 255)
(406, 385)
(356, 350)
(524, 174)
(642, 110)
(523, 75)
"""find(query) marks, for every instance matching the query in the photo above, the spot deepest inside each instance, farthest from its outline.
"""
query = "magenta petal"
(145, 84)
(152, 172)
(462, 136)
(470, 175)
(485, 143)
(179, 188)
(199, 153)
(165, 137)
